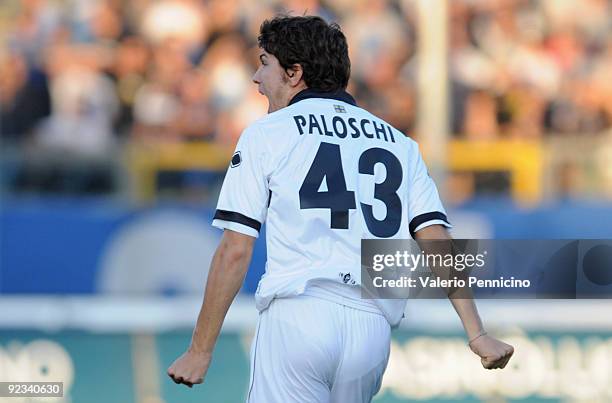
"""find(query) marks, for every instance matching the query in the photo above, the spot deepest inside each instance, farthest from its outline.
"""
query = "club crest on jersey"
(346, 278)
(236, 159)
(339, 108)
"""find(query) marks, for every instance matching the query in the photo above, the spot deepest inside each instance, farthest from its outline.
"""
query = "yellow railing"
(522, 159)
(146, 160)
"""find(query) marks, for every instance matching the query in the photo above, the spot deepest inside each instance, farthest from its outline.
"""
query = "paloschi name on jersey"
(340, 128)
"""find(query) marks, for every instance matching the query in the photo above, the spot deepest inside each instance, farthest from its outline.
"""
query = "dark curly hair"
(320, 48)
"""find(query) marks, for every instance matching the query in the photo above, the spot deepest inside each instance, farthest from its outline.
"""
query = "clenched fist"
(190, 368)
(493, 353)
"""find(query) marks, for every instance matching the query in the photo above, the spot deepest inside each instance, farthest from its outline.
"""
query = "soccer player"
(323, 173)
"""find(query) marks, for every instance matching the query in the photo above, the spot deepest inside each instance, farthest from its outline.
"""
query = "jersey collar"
(339, 95)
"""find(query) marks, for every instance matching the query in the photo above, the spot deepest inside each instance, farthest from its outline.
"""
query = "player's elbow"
(235, 250)
(233, 255)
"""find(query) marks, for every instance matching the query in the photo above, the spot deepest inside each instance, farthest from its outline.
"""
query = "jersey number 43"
(339, 200)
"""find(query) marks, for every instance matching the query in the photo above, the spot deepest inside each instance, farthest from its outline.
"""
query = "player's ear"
(295, 73)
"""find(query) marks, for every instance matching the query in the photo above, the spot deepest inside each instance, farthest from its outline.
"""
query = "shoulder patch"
(236, 159)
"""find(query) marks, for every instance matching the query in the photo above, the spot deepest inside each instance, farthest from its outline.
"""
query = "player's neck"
(291, 93)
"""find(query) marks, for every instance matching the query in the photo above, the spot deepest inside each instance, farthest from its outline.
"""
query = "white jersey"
(324, 174)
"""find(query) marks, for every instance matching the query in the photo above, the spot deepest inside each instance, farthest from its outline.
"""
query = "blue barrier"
(84, 247)
(59, 247)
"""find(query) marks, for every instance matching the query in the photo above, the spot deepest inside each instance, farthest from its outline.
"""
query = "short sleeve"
(424, 205)
(243, 200)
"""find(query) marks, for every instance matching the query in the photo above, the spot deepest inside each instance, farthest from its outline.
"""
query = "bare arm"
(465, 308)
(227, 271)
(493, 353)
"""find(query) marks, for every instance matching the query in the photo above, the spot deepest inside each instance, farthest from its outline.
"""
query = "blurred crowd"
(85, 76)
(527, 68)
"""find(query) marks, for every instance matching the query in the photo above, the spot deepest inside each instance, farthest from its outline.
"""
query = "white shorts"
(309, 350)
